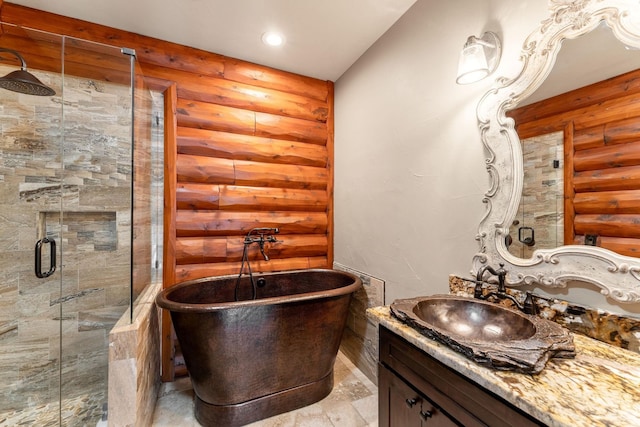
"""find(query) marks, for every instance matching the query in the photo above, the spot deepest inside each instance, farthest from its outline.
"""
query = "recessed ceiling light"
(273, 39)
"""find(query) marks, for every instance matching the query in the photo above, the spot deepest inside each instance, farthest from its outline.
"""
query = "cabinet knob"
(411, 402)
(426, 414)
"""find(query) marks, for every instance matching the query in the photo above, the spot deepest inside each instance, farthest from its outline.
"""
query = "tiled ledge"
(134, 363)
(600, 387)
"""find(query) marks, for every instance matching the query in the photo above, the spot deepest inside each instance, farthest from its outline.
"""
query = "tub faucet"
(258, 235)
(261, 235)
(529, 306)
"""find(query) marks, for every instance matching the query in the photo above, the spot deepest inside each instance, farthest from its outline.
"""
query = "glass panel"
(96, 220)
(539, 223)
(30, 205)
(148, 184)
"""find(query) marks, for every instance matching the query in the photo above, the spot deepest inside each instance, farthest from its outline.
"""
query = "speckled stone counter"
(600, 387)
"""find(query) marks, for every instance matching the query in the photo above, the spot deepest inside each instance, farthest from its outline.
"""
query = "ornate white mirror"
(617, 275)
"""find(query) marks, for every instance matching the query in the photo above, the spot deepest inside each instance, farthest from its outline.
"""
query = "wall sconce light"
(479, 58)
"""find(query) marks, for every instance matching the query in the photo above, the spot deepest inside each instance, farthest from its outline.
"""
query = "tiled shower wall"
(542, 203)
(91, 180)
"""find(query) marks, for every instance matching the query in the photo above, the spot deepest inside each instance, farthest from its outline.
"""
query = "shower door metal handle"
(52, 258)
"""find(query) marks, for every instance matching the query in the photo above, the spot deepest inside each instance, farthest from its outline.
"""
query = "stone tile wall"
(360, 339)
(86, 182)
(542, 203)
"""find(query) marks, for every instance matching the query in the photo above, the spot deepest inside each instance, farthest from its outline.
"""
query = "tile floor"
(352, 403)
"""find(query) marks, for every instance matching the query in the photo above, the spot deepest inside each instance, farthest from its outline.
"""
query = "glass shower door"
(96, 219)
(539, 223)
(66, 174)
(31, 187)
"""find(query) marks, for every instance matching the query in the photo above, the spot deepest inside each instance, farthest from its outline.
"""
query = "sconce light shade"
(479, 58)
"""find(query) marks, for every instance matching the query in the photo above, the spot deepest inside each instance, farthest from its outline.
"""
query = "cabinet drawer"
(469, 403)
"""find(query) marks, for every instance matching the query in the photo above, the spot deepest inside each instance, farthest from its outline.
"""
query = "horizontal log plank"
(584, 97)
(204, 142)
(238, 95)
(198, 169)
(196, 250)
(279, 127)
(204, 169)
(587, 138)
(258, 75)
(224, 223)
(613, 156)
(216, 90)
(241, 198)
(197, 196)
(608, 202)
(198, 271)
(625, 225)
(202, 250)
(624, 178)
(620, 245)
(256, 174)
(616, 109)
(622, 131)
(204, 115)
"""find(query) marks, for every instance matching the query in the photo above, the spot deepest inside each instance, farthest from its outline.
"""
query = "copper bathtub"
(254, 358)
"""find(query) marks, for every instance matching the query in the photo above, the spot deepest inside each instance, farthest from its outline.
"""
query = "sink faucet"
(501, 273)
(529, 306)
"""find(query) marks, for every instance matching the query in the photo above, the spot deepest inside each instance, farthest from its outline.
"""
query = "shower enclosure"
(539, 223)
(77, 197)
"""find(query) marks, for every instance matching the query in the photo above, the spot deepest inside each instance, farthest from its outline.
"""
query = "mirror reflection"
(601, 155)
(579, 134)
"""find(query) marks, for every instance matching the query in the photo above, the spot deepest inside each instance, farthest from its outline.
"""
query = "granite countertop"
(600, 387)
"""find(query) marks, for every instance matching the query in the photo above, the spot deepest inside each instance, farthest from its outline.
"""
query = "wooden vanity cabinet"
(414, 389)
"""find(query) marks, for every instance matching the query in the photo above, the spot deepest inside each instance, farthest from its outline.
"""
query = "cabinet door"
(401, 406)
(398, 404)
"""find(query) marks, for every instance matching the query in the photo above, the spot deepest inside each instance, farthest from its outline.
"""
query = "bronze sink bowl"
(490, 334)
(474, 319)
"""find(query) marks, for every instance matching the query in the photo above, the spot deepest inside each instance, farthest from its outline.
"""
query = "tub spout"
(264, 254)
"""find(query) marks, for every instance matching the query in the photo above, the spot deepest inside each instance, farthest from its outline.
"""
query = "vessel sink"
(474, 319)
(490, 334)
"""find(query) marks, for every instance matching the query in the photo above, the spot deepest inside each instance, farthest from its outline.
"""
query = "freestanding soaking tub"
(254, 358)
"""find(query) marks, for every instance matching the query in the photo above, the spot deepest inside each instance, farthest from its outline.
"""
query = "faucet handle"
(529, 304)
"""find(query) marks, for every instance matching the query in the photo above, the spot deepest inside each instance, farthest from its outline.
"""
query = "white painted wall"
(409, 162)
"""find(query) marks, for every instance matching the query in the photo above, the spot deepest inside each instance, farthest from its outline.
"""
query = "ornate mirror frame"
(618, 276)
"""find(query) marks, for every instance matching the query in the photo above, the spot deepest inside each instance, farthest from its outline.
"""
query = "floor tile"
(352, 403)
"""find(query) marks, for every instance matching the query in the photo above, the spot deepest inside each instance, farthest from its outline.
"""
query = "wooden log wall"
(245, 146)
(601, 124)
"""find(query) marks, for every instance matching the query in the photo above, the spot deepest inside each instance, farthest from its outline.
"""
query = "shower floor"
(352, 403)
(79, 411)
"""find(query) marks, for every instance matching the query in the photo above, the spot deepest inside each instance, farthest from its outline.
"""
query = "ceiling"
(323, 38)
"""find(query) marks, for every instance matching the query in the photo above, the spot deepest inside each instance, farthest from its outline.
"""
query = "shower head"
(22, 81)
